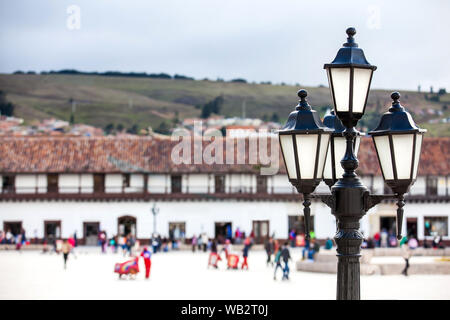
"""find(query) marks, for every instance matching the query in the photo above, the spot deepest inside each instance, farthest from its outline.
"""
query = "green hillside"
(101, 100)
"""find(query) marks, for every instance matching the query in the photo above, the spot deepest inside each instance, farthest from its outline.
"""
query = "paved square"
(184, 275)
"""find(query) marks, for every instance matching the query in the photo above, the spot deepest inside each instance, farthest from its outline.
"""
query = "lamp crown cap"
(302, 94)
(350, 40)
(395, 96)
(351, 31)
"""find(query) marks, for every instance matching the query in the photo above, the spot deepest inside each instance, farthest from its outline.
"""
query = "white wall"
(199, 216)
(195, 183)
(419, 187)
(280, 184)
(87, 183)
(442, 186)
(158, 183)
(240, 182)
(26, 183)
(378, 185)
(136, 183)
(113, 183)
(69, 183)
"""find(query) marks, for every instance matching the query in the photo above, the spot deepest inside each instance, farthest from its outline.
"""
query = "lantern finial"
(350, 40)
(396, 106)
(302, 94)
(351, 32)
(395, 96)
(303, 103)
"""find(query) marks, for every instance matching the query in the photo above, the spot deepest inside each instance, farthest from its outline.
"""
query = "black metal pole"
(348, 193)
(307, 213)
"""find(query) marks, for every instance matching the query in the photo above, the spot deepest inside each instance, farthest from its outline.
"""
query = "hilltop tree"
(163, 128)
(6, 108)
(213, 106)
(134, 129)
(176, 118)
(275, 118)
(109, 128)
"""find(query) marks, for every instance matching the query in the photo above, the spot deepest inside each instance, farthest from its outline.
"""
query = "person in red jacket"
(148, 263)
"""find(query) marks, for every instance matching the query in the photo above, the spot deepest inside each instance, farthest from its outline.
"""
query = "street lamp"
(304, 143)
(398, 142)
(155, 211)
(349, 77)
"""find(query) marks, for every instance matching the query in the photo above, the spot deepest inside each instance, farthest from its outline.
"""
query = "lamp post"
(311, 150)
(155, 211)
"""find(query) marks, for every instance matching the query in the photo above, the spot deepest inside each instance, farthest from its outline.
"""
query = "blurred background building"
(57, 185)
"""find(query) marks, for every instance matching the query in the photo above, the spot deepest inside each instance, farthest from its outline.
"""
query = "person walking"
(247, 245)
(286, 256)
(205, 241)
(292, 236)
(406, 253)
(329, 244)
(194, 243)
(277, 261)
(268, 246)
(227, 248)
(146, 255)
(66, 247)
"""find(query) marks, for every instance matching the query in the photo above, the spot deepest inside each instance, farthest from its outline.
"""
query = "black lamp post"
(397, 140)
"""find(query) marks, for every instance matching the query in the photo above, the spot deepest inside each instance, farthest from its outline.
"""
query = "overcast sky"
(259, 40)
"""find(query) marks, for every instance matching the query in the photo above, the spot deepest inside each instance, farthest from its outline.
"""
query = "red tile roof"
(148, 154)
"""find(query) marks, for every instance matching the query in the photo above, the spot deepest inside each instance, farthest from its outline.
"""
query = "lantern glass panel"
(327, 171)
(287, 147)
(361, 81)
(324, 140)
(384, 154)
(339, 152)
(403, 149)
(306, 151)
(417, 154)
(340, 80)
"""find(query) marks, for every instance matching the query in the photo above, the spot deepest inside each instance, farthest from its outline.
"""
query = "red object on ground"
(244, 264)
(148, 265)
(213, 259)
(146, 255)
(130, 267)
(71, 241)
(233, 261)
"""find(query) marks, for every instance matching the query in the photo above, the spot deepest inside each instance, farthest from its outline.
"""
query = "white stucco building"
(55, 186)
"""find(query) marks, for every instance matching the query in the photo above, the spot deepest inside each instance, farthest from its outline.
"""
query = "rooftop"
(68, 154)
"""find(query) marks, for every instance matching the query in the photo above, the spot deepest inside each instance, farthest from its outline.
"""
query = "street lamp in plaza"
(311, 150)
(155, 211)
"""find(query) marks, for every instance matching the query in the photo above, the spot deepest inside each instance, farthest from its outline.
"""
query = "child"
(227, 248)
(285, 254)
(148, 263)
(247, 245)
(277, 260)
(66, 247)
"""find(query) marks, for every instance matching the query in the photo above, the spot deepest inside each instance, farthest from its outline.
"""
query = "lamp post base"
(350, 195)
(348, 273)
